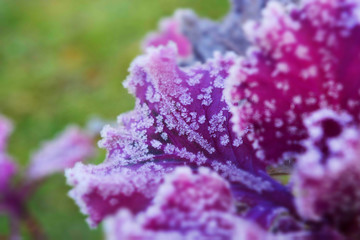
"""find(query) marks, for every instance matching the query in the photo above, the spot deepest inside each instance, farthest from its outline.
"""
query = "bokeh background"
(63, 62)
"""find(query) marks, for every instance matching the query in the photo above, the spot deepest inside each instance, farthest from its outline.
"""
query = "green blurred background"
(63, 62)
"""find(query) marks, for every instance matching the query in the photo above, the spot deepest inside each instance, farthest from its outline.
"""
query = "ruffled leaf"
(169, 31)
(70, 147)
(326, 178)
(102, 190)
(304, 59)
(187, 206)
(5, 130)
(181, 118)
(191, 206)
(7, 166)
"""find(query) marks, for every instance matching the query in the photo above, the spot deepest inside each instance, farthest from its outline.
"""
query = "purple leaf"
(7, 166)
(70, 147)
(180, 118)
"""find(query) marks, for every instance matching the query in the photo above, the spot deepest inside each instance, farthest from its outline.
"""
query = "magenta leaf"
(326, 178)
(169, 31)
(70, 147)
(304, 58)
(187, 206)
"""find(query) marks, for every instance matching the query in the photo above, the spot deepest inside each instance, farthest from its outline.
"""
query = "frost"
(101, 190)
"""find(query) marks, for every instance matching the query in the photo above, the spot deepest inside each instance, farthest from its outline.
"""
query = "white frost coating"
(112, 184)
(175, 99)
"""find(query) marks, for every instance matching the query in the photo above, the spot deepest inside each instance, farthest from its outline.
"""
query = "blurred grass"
(63, 62)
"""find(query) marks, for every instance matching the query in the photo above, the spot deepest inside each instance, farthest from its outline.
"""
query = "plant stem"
(14, 227)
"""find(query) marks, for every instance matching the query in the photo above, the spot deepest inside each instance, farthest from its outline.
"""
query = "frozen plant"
(71, 146)
(197, 156)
